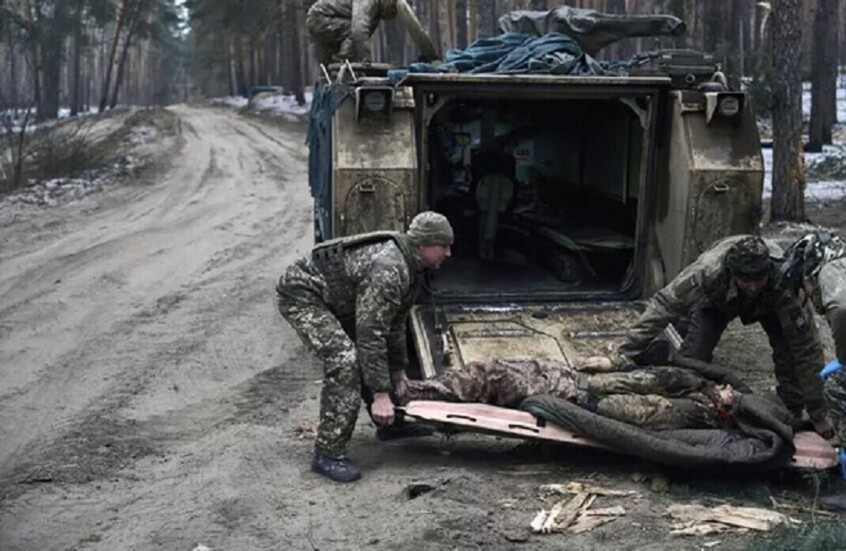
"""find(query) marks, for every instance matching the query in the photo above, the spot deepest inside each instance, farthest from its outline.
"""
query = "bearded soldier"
(737, 277)
(349, 302)
(341, 29)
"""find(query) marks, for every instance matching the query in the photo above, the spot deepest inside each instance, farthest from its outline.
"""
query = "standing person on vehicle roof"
(349, 302)
(737, 277)
(341, 29)
(816, 266)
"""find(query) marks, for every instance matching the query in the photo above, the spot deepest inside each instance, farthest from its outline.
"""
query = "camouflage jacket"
(363, 16)
(375, 286)
(708, 278)
(831, 302)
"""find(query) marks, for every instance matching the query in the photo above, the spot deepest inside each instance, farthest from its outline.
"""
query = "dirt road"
(152, 398)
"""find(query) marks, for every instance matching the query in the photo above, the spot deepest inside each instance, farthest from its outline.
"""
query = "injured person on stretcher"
(692, 415)
(654, 397)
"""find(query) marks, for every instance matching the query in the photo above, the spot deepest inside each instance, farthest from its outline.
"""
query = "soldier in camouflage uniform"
(341, 29)
(737, 277)
(816, 266)
(349, 302)
(656, 398)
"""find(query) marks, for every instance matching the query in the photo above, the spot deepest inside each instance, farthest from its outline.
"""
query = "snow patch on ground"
(841, 100)
(274, 105)
(230, 101)
(817, 190)
(284, 105)
(18, 116)
(57, 191)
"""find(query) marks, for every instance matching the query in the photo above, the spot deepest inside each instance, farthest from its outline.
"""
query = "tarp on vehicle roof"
(592, 30)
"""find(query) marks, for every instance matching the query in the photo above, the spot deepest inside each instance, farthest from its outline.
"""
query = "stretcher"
(812, 451)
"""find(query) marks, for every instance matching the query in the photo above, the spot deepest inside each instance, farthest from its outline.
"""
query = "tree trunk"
(473, 21)
(823, 75)
(77, 55)
(487, 18)
(132, 26)
(240, 77)
(460, 24)
(293, 15)
(445, 23)
(107, 79)
(230, 68)
(52, 52)
(34, 40)
(395, 39)
(788, 199)
(13, 69)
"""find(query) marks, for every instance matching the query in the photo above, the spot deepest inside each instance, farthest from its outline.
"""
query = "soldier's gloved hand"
(382, 409)
(824, 428)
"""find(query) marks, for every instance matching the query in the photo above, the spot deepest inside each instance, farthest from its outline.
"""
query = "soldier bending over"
(349, 302)
(738, 278)
(341, 29)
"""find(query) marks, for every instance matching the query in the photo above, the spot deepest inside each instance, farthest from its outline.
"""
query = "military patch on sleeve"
(801, 321)
(684, 287)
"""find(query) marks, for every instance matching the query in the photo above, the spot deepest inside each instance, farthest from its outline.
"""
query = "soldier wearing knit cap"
(736, 278)
(349, 302)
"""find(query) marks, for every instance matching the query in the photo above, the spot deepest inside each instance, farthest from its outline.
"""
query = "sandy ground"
(152, 398)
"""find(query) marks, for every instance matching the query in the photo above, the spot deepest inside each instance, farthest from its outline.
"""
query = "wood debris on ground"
(579, 487)
(575, 515)
(698, 520)
(306, 430)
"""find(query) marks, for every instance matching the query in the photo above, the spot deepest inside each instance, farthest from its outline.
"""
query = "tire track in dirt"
(185, 323)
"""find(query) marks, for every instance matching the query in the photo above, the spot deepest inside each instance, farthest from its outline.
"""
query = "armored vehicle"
(572, 196)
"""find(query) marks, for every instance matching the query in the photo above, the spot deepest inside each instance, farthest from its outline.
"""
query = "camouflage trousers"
(834, 390)
(331, 38)
(322, 332)
(658, 398)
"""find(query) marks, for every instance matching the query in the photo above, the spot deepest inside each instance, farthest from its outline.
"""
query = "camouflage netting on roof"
(591, 29)
(516, 53)
(560, 41)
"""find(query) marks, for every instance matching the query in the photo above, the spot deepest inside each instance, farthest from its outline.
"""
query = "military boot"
(339, 470)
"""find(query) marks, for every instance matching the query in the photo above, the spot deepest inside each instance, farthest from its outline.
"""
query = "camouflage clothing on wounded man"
(659, 398)
(341, 29)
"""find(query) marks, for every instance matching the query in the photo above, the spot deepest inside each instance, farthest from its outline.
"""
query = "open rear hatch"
(447, 335)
